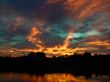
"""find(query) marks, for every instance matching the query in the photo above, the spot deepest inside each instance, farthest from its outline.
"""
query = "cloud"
(87, 20)
(105, 44)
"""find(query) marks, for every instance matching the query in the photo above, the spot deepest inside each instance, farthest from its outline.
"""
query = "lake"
(57, 77)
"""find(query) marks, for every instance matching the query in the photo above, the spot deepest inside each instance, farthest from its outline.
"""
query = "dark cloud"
(55, 12)
(26, 6)
(50, 39)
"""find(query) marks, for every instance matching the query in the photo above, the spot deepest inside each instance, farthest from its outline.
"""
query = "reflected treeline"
(79, 64)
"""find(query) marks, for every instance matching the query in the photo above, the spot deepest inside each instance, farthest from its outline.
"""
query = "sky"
(54, 26)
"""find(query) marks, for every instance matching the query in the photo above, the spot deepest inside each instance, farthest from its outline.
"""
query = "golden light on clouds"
(99, 43)
(63, 49)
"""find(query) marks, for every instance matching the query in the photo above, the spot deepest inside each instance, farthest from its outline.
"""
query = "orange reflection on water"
(50, 78)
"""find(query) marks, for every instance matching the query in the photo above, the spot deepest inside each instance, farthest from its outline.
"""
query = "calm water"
(17, 77)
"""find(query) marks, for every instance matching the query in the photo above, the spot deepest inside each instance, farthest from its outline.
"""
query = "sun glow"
(63, 49)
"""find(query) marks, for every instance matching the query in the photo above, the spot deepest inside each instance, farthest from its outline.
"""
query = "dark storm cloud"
(38, 8)
(26, 6)
(55, 12)
(50, 39)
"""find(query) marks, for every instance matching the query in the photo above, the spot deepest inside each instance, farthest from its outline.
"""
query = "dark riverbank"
(78, 64)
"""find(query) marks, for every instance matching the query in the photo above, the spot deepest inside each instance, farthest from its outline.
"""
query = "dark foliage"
(84, 64)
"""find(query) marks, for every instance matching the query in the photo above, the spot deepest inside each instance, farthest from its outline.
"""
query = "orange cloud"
(105, 44)
(53, 1)
(32, 37)
(74, 5)
(90, 9)
(82, 9)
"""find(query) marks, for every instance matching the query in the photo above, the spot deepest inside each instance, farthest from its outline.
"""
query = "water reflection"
(17, 77)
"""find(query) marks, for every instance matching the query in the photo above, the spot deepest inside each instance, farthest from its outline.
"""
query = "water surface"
(58, 77)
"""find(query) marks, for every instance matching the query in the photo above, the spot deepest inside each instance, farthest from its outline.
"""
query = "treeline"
(39, 63)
